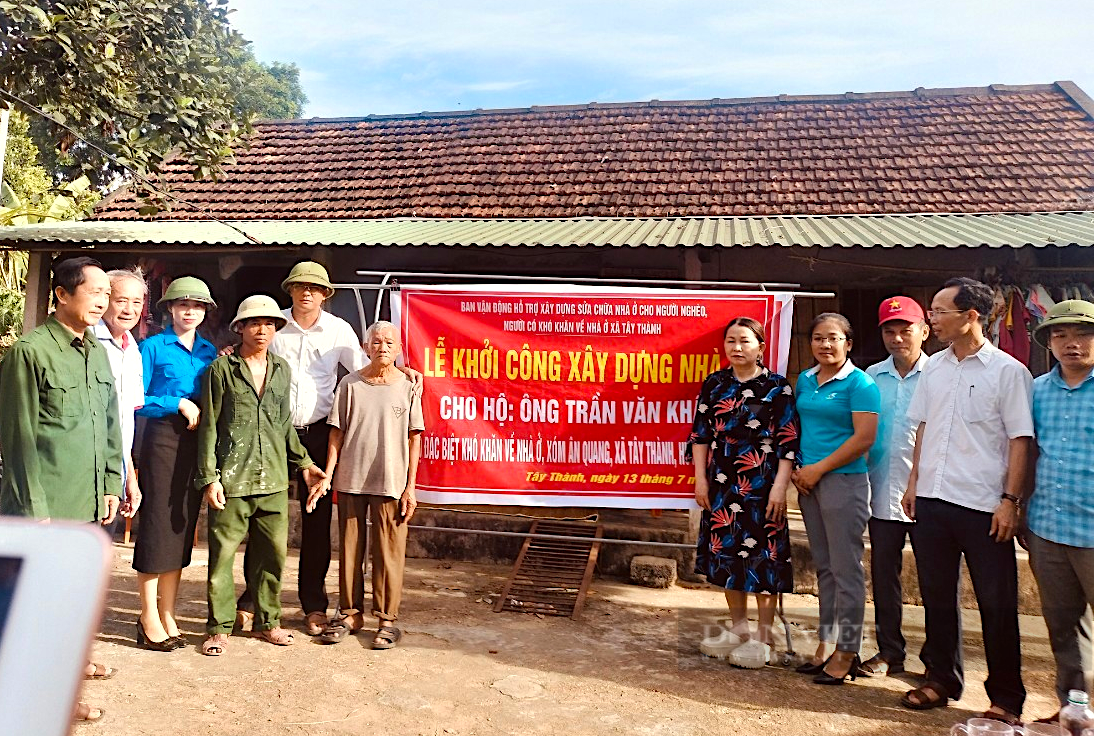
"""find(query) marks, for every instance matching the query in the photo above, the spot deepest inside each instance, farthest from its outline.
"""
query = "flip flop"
(102, 672)
(214, 645)
(83, 714)
(279, 636)
(387, 637)
(923, 700)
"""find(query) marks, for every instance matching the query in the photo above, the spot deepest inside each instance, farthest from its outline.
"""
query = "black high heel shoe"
(167, 645)
(826, 679)
(812, 669)
(180, 641)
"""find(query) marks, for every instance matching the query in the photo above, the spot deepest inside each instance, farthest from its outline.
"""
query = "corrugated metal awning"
(884, 231)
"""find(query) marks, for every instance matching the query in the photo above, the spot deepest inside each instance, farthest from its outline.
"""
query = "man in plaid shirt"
(1060, 517)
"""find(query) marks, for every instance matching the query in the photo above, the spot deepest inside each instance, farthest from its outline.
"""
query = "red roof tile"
(989, 149)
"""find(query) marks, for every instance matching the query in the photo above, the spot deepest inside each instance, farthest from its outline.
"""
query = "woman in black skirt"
(174, 361)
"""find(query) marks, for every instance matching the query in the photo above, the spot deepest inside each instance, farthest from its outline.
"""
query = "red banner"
(568, 396)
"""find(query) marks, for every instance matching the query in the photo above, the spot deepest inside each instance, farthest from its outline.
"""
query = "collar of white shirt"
(847, 369)
(889, 366)
(985, 354)
(320, 324)
(102, 332)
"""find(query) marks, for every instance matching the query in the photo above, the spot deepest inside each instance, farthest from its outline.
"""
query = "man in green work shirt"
(59, 435)
(245, 441)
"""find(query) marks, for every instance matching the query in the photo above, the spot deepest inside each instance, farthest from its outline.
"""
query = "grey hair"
(375, 327)
(128, 273)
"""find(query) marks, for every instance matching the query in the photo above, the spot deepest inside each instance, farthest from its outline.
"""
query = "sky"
(361, 57)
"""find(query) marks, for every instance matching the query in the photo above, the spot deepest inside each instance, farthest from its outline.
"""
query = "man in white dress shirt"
(903, 331)
(128, 292)
(972, 408)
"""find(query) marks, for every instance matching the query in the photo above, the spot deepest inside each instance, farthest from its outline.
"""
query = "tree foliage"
(269, 91)
(144, 79)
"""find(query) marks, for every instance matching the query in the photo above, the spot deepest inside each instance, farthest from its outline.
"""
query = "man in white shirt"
(315, 343)
(128, 292)
(903, 331)
(972, 407)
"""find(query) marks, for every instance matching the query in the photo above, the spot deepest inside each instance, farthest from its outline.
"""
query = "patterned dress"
(750, 427)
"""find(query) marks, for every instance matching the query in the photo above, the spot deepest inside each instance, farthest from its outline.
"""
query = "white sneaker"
(720, 645)
(752, 655)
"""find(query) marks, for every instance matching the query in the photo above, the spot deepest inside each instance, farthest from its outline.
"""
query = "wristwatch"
(1013, 499)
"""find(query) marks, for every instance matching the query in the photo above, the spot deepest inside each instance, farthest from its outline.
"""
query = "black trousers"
(886, 563)
(945, 532)
(315, 541)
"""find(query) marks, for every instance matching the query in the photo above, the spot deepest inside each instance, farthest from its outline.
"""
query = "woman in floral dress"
(744, 443)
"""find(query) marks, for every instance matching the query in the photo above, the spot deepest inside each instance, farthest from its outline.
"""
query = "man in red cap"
(903, 331)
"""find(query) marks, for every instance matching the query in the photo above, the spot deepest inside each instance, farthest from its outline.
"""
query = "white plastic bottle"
(1076, 715)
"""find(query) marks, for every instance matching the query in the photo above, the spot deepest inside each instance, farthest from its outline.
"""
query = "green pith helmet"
(1071, 312)
(257, 305)
(308, 272)
(187, 287)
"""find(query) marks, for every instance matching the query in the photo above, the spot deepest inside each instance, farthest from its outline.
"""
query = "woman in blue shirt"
(173, 363)
(838, 405)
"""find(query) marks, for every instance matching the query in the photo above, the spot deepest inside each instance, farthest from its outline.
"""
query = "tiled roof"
(991, 149)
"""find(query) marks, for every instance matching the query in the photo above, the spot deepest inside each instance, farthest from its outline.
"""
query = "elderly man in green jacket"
(59, 435)
(245, 442)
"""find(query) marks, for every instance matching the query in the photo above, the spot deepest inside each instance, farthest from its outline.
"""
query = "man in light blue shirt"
(1060, 518)
(903, 331)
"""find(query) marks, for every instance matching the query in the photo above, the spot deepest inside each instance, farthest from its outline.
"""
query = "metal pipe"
(396, 287)
(379, 299)
(572, 279)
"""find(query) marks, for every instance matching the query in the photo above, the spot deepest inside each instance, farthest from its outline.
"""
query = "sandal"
(244, 621)
(315, 623)
(214, 645)
(387, 637)
(878, 665)
(1002, 716)
(277, 635)
(85, 713)
(100, 672)
(926, 696)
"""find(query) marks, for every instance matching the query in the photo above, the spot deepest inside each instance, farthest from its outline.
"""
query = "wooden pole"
(36, 306)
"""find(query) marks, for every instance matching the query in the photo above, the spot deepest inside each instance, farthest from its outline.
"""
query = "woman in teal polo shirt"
(838, 405)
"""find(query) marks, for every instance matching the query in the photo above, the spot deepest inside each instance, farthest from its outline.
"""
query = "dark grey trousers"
(1065, 577)
(835, 515)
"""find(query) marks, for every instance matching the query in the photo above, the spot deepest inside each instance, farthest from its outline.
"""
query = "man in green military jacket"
(245, 442)
(60, 440)
(59, 434)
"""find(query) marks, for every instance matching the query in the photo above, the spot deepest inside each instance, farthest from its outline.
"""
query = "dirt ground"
(630, 665)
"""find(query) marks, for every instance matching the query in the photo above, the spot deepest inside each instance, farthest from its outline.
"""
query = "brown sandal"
(277, 635)
(214, 645)
(926, 696)
(83, 714)
(1005, 717)
(314, 623)
(387, 637)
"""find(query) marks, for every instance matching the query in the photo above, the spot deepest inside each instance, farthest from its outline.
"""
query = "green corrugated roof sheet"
(886, 231)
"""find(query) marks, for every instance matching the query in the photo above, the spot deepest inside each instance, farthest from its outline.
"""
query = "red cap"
(903, 308)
